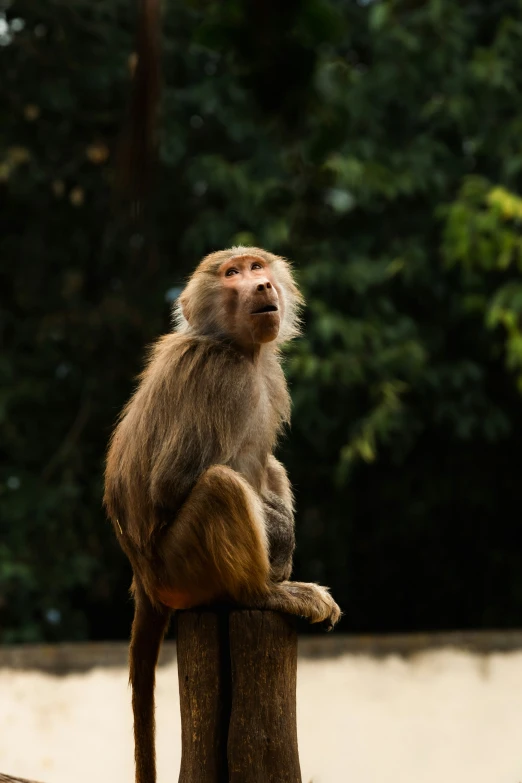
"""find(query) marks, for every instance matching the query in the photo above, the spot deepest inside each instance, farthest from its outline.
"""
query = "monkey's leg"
(148, 628)
(306, 599)
(217, 548)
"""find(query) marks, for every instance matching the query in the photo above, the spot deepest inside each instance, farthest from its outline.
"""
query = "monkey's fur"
(199, 503)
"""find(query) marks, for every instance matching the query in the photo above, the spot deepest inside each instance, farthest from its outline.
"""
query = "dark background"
(377, 144)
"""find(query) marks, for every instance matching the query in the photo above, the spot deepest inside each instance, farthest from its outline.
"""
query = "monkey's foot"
(306, 599)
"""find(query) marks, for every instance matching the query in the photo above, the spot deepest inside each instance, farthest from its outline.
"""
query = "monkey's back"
(199, 402)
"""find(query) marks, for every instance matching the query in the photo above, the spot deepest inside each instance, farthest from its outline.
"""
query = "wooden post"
(237, 680)
(203, 674)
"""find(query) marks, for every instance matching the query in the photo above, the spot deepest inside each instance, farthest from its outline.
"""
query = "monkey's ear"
(184, 306)
(181, 313)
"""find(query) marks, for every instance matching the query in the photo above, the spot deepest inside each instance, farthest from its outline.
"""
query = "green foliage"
(483, 232)
(377, 144)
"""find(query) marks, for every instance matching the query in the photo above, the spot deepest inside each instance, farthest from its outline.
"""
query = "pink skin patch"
(177, 599)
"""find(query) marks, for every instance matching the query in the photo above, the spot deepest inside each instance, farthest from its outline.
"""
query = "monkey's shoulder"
(197, 352)
(184, 363)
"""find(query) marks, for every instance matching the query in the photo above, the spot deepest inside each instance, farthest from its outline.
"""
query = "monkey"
(199, 503)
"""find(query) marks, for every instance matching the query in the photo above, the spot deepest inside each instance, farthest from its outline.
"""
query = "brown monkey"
(199, 503)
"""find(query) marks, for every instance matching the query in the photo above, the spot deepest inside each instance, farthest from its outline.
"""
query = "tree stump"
(237, 683)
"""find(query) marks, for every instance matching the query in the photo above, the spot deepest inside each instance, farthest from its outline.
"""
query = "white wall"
(437, 717)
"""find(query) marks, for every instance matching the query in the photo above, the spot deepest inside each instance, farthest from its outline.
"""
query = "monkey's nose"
(263, 286)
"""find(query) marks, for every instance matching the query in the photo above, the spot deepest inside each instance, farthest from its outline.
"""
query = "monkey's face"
(253, 300)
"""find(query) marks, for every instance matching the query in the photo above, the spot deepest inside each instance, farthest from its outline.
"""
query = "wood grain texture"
(262, 737)
(204, 694)
(237, 679)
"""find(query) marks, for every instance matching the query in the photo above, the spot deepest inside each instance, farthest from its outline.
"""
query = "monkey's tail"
(148, 629)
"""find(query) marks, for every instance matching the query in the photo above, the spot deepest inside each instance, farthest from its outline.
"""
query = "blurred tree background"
(377, 144)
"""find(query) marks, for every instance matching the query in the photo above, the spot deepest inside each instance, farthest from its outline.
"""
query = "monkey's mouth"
(270, 308)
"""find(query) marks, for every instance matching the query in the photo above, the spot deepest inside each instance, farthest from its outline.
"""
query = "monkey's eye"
(231, 272)
(256, 265)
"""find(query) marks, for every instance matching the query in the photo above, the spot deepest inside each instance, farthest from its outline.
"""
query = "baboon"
(199, 503)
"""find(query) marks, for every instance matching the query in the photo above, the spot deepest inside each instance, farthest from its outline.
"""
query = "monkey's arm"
(278, 483)
(203, 415)
(278, 504)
